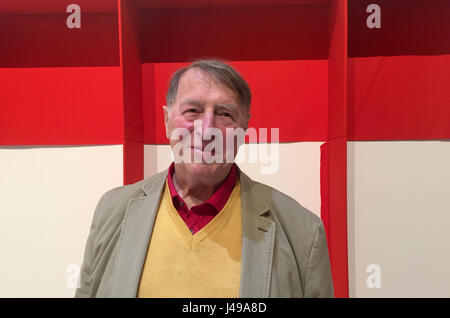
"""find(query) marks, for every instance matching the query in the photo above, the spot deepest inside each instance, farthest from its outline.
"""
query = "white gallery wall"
(399, 218)
(48, 195)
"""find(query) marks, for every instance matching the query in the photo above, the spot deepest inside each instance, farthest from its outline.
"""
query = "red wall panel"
(61, 106)
(398, 75)
(408, 27)
(234, 33)
(337, 70)
(333, 181)
(221, 3)
(132, 92)
(44, 40)
(334, 151)
(52, 6)
(399, 98)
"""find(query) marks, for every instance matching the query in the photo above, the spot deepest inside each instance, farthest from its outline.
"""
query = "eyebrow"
(227, 106)
(230, 106)
(192, 101)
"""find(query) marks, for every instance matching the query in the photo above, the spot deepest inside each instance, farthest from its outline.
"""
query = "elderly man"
(204, 229)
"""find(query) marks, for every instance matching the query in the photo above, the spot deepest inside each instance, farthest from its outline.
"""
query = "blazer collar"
(135, 235)
(258, 236)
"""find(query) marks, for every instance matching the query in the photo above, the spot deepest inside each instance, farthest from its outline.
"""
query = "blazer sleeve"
(319, 282)
(85, 289)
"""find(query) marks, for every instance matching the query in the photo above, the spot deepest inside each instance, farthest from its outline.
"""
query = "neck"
(194, 190)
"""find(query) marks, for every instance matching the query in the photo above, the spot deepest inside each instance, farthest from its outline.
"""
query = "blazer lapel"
(134, 238)
(258, 237)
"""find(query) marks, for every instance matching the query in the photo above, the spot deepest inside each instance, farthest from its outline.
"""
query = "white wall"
(298, 173)
(399, 217)
(47, 199)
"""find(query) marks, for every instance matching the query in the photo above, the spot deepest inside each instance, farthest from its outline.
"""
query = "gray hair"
(219, 72)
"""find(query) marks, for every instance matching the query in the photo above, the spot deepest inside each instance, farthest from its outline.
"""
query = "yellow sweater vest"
(204, 264)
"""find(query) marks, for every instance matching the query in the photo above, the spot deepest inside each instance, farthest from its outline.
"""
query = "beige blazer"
(284, 248)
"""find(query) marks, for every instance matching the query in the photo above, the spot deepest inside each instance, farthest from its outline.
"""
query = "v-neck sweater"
(202, 265)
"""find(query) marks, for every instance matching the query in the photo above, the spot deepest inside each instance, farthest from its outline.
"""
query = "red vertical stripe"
(333, 170)
(130, 62)
(334, 151)
(324, 208)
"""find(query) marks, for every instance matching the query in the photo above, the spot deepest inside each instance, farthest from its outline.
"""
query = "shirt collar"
(219, 197)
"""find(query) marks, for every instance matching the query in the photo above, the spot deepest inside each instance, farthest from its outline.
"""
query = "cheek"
(178, 123)
(231, 138)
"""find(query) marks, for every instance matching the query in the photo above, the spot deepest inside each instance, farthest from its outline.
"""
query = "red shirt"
(200, 215)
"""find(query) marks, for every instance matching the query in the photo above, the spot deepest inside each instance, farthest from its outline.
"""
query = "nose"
(208, 120)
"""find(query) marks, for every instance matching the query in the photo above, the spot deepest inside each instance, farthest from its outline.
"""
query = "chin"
(206, 173)
(204, 169)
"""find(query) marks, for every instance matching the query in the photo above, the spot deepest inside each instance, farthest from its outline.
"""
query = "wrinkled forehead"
(196, 77)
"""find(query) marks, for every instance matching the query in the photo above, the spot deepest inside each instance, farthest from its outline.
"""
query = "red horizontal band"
(61, 106)
(45, 40)
(52, 6)
(399, 98)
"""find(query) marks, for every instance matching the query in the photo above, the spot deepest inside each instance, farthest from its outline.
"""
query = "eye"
(191, 111)
(226, 115)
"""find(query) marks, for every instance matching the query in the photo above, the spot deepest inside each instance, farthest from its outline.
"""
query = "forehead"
(195, 81)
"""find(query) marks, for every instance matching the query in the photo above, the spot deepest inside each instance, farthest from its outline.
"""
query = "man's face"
(213, 105)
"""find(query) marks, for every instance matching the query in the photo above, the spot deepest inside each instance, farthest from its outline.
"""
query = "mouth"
(202, 151)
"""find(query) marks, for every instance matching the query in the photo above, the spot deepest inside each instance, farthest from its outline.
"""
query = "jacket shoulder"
(285, 208)
(114, 202)
(300, 234)
(296, 225)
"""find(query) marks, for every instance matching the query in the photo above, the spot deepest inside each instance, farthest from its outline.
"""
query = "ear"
(166, 120)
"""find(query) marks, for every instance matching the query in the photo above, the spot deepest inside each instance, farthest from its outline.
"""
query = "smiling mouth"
(202, 151)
